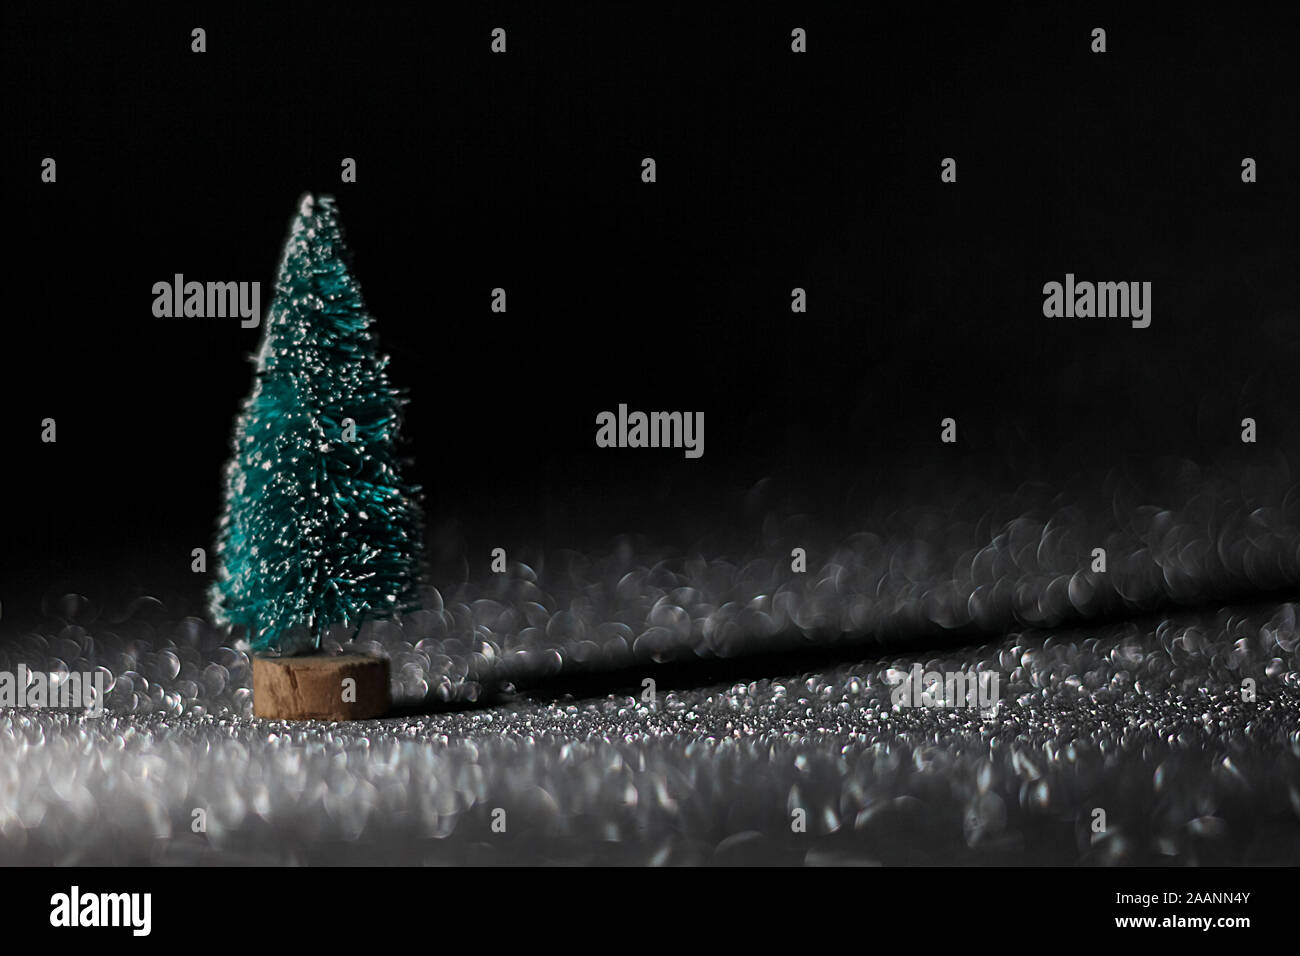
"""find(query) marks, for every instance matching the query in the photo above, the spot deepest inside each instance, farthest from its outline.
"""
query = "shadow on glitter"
(802, 655)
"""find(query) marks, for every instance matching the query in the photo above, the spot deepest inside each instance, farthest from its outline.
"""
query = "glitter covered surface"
(1144, 722)
(1141, 717)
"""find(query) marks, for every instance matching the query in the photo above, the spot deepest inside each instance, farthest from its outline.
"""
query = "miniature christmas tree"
(318, 526)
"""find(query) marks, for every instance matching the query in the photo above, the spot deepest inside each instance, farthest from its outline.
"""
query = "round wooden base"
(320, 687)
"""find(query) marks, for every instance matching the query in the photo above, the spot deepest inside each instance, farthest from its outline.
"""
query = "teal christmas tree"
(318, 525)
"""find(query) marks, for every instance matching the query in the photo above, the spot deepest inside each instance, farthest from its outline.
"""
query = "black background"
(775, 170)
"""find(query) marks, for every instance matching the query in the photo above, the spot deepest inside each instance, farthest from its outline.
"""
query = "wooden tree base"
(315, 687)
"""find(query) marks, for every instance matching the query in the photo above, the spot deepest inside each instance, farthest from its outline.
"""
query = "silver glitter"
(1143, 718)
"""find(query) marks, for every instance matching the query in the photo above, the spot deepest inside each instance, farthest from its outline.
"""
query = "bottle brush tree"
(318, 525)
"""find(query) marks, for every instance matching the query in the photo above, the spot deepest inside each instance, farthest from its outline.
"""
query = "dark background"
(523, 171)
